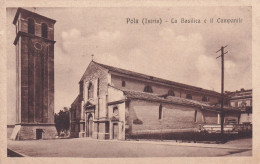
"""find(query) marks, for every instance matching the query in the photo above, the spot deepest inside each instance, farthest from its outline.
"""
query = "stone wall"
(99, 78)
(210, 117)
(94, 72)
(173, 116)
(36, 79)
(28, 132)
(115, 94)
(121, 119)
(24, 80)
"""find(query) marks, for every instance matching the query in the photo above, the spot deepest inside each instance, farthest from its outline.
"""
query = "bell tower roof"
(34, 25)
(27, 12)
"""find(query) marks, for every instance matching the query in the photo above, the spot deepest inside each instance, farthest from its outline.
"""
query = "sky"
(181, 52)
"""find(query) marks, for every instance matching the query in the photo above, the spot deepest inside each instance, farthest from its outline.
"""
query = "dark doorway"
(115, 131)
(39, 134)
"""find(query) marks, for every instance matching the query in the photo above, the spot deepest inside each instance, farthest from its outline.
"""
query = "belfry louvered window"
(44, 30)
(31, 26)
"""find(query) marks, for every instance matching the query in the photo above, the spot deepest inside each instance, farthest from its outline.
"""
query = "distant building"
(114, 102)
(242, 99)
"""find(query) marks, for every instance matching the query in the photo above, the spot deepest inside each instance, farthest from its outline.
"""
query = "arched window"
(204, 98)
(195, 116)
(148, 89)
(189, 96)
(31, 24)
(115, 111)
(171, 93)
(123, 83)
(160, 112)
(90, 91)
(44, 30)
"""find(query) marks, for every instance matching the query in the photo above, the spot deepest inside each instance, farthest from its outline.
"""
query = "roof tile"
(156, 79)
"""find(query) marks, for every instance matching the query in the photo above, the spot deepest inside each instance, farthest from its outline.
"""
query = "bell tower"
(34, 76)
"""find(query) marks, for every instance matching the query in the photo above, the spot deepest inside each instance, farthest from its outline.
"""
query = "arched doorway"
(90, 125)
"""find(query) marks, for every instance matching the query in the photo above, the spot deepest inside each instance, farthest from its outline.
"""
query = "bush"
(62, 122)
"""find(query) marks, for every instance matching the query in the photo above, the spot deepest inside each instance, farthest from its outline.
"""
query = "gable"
(93, 71)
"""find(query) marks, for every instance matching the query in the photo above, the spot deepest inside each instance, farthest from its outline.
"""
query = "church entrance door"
(115, 131)
(90, 125)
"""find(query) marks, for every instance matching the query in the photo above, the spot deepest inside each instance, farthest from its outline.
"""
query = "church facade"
(113, 103)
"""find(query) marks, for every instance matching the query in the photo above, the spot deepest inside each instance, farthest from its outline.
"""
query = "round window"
(37, 46)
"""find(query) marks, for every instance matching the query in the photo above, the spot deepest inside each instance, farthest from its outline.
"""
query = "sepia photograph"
(129, 82)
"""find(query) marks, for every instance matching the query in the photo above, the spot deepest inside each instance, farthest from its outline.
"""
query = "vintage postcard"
(91, 82)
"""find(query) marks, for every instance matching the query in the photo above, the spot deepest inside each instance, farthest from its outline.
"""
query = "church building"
(113, 103)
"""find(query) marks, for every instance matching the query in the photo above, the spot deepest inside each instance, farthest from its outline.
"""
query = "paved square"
(110, 149)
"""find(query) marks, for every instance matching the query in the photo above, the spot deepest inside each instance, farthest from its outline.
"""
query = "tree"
(62, 121)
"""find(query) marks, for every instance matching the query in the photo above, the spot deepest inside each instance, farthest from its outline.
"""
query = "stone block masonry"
(35, 76)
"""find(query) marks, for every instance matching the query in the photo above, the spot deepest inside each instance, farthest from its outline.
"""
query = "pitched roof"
(170, 99)
(174, 100)
(75, 100)
(19, 10)
(155, 79)
(243, 94)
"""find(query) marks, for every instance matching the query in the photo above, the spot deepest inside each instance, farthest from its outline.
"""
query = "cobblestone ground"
(93, 148)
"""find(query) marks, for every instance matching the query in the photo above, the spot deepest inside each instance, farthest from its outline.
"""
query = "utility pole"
(222, 89)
